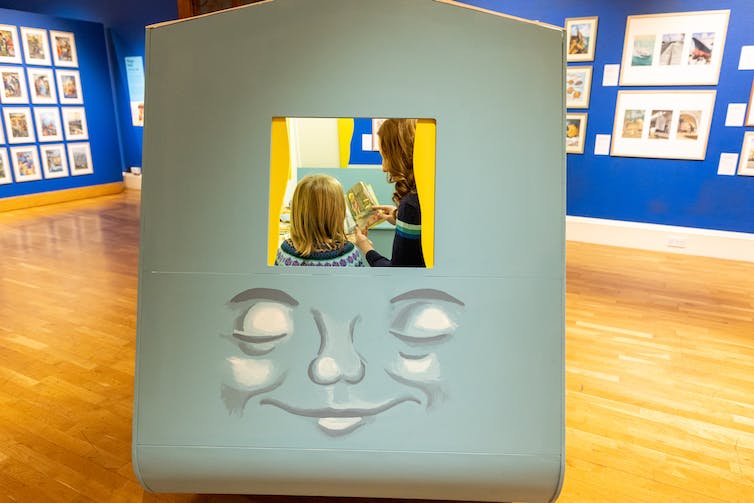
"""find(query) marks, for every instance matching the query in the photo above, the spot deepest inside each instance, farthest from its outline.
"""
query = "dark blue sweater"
(407, 244)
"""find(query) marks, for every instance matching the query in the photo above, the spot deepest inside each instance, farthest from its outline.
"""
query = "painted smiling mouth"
(340, 420)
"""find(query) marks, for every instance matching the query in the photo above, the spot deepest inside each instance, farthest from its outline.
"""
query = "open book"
(361, 202)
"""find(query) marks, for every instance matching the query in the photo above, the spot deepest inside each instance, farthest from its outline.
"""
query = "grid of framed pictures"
(43, 118)
(581, 36)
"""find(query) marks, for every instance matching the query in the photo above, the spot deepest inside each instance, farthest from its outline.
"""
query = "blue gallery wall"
(671, 192)
(125, 23)
(98, 102)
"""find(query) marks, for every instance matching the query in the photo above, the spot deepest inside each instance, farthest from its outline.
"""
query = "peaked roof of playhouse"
(449, 2)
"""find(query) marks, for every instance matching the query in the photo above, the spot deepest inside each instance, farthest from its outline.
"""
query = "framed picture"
(74, 123)
(746, 160)
(14, 85)
(25, 163)
(684, 48)
(54, 161)
(662, 124)
(750, 114)
(18, 124)
(376, 124)
(48, 124)
(582, 38)
(10, 51)
(69, 87)
(64, 49)
(578, 86)
(80, 159)
(36, 46)
(4, 167)
(575, 133)
(42, 86)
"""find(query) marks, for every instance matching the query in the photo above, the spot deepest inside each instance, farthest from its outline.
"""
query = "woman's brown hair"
(318, 210)
(397, 149)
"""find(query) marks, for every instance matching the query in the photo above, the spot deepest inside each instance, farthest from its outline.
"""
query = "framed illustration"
(25, 162)
(684, 48)
(80, 159)
(662, 124)
(42, 86)
(575, 133)
(36, 46)
(14, 85)
(10, 51)
(582, 38)
(376, 123)
(750, 114)
(4, 167)
(18, 125)
(48, 124)
(74, 123)
(69, 87)
(64, 49)
(578, 86)
(54, 163)
(746, 159)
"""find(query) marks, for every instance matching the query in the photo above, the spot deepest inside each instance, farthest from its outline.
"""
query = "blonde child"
(317, 235)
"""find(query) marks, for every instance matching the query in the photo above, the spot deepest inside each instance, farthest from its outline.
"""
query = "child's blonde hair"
(318, 211)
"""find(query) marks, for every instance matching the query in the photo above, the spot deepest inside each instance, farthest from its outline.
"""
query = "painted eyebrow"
(267, 294)
(426, 294)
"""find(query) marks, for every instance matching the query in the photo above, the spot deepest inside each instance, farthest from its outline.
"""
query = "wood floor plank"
(659, 367)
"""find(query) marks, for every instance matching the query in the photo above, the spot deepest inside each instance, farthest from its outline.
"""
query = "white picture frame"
(662, 124)
(47, 121)
(19, 127)
(74, 123)
(575, 132)
(13, 82)
(54, 160)
(10, 49)
(376, 124)
(25, 162)
(750, 114)
(5, 167)
(682, 48)
(80, 159)
(36, 46)
(69, 87)
(42, 86)
(64, 49)
(746, 159)
(578, 86)
(581, 38)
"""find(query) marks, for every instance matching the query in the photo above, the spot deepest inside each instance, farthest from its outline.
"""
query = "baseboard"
(59, 196)
(665, 238)
(132, 180)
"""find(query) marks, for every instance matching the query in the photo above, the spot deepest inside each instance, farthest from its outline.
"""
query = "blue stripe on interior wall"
(98, 102)
(670, 192)
(359, 156)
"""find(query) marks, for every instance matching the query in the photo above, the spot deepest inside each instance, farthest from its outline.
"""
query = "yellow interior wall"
(345, 133)
(425, 144)
(280, 168)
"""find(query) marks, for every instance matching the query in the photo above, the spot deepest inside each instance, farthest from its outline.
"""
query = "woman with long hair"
(397, 149)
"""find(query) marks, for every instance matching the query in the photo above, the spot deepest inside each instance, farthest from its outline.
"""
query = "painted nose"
(337, 359)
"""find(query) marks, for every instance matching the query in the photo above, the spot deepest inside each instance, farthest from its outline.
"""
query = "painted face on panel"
(338, 371)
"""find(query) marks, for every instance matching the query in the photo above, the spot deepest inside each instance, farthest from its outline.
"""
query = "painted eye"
(423, 322)
(265, 323)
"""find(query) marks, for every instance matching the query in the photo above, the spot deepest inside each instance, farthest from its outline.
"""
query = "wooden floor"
(660, 366)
